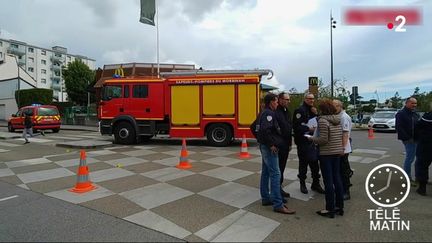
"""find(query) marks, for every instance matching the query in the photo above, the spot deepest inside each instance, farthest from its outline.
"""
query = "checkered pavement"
(216, 200)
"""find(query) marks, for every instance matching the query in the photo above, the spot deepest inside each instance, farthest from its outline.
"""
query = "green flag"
(148, 11)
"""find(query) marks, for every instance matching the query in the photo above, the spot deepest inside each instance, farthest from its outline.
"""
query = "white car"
(383, 121)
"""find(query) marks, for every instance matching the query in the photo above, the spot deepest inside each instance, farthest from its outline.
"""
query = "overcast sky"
(291, 37)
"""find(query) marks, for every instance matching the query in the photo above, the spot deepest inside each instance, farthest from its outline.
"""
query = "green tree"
(423, 99)
(395, 101)
(78, 76)
(340, 90)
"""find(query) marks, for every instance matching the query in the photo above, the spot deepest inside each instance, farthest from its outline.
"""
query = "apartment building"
(43, 65)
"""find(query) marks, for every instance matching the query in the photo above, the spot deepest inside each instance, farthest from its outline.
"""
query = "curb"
(83, 146)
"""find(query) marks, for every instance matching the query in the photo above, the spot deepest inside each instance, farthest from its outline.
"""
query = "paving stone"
(76, 198)
(45, 186)
(233, 194)
(155, 195)
(156, 222)
(196, 183)
(114, 205)
(194, 211)
(127, 183)
(145, 167)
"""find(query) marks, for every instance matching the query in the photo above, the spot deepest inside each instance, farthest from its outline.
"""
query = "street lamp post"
(332, 25)
(19, 79)
(61, 82)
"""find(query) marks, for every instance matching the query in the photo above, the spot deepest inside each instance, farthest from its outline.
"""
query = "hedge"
(34, 96)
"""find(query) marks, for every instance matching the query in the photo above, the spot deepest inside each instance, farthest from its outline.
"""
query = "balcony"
(55, 77)
(55, 67)
(55, 86)
(21, 62)
(57, 58)
(16, 50)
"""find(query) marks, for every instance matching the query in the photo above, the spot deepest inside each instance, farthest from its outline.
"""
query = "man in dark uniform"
(423, 137)
(305, 149)
(270, 139)
(283, 117)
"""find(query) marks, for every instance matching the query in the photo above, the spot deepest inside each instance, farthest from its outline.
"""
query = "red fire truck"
(219, 105)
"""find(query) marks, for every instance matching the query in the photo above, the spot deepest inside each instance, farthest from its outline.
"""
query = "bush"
(34, 96)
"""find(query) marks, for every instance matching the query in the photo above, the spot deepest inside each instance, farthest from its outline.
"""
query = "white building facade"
(43, 65)
(12, 78)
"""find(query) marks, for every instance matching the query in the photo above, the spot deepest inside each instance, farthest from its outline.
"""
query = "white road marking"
(7, 198)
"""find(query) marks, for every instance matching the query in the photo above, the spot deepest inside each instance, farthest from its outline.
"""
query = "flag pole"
(157, 36)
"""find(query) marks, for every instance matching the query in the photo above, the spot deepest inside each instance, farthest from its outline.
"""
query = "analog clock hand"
(387, 185)
(388, 179)
(382, 189)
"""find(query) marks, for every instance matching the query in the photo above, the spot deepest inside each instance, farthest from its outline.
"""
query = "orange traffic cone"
(83, 183)
(244, 154)
(184, 163)
(371, 133)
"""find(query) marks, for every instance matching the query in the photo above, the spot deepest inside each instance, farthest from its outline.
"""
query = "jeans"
(410, 151)
(330, 169)
(270, 172)
(27, 131)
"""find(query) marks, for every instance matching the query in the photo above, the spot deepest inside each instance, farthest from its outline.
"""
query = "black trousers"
(302, 151)
(424, 159)
(283, 157)
(346, 172)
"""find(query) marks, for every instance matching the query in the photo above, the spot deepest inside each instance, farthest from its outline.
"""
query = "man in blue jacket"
(270, 139)
(405, 122)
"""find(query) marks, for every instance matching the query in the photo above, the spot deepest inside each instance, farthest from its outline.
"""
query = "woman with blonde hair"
(329, 139)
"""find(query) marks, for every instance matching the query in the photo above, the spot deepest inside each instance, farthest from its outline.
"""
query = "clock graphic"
(387, 185)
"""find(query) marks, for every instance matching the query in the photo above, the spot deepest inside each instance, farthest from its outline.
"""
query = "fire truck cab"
(219, 105)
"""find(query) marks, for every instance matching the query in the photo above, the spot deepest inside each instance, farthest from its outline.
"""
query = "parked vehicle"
(383, 121)
(219, 105)
(43, 117)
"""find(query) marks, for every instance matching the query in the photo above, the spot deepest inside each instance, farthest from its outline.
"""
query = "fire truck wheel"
(10, 128)
(124, 133)
(219, 135)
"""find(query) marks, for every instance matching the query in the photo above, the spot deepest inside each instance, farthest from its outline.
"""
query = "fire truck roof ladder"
(200, 72)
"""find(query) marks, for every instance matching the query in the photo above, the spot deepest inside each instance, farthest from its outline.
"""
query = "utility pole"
(19, 82)
(332, 25)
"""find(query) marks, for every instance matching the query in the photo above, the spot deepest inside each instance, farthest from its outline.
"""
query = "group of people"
(323, 141)
(416, 136)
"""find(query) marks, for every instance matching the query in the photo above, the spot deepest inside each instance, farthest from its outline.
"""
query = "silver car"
(383, 121)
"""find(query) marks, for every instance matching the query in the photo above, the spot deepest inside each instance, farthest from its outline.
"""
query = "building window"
(14, 45)
(31, 59)
(43, 62)
(1, 43)
(43, 71)
(69, 58)
(1, 54)
(43, 52)
(31, 50)
(140, 91)
(43, 80)
(30, 69)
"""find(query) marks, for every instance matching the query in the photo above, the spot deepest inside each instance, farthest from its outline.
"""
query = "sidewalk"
(65, 127)
(95, 128)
